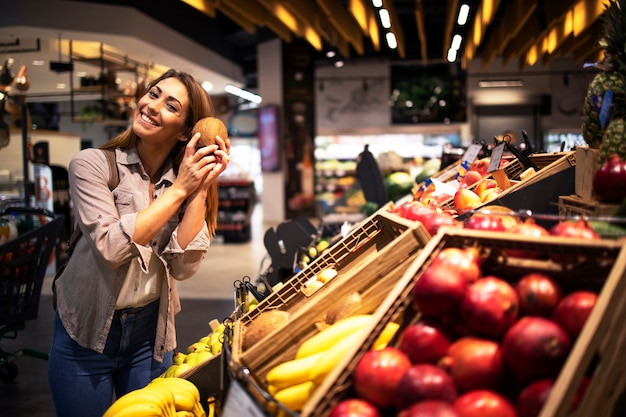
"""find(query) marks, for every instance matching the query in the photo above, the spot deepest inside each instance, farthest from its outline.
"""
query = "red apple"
(438, 291)
(354, 407)
(490, 306)
(489, 194)
(471, 177)
(423, 343)
(424, 382)
(378, 373)
(572, 311)
(481, 165)
(429, 408)
(483, 403)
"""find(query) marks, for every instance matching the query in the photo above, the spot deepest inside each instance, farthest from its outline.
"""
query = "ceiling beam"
(396, 27)
(421, 33)
(343, 22)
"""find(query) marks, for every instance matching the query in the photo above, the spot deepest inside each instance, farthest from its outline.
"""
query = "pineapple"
(607, 134)
(613, 140)
(592, 127)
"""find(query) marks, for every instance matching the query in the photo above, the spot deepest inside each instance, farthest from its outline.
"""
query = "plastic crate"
(591, 265)
(373, 248)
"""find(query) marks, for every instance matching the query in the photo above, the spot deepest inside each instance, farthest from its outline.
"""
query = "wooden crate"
(375, 245)
(574, 205)
(586, 167)
(592, 265)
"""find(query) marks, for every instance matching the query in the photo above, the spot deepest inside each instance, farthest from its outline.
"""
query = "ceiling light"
(500, 83)
(385, 20)
(330, 53)
(392, 43)
(207, 85)
(377, 3)
(456, 42)
(244, 94)
(452, 55)
(339, 63)
(38, 62)
(463, 14)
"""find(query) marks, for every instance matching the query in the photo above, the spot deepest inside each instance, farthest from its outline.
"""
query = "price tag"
(496, 157)
(240, 403)
(472, 152)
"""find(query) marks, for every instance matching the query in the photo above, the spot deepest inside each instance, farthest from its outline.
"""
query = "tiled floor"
(207, 296)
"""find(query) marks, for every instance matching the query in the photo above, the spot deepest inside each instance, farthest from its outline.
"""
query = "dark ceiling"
(234, 28)
(224, 36)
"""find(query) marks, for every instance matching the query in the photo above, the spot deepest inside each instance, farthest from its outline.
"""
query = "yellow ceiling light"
(287, 18)
(532, 56)
(313, 38)
(205, 6)
(360, 13)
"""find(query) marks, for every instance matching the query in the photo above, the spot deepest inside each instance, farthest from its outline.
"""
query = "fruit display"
(483, 328)
(162, 397)
(198, 353)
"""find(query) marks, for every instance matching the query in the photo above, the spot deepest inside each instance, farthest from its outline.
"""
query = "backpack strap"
(113, 182)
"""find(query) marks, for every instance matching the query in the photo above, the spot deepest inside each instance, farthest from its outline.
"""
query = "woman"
(116, 299)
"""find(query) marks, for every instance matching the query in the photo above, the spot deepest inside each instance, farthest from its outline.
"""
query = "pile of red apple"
(483, 346)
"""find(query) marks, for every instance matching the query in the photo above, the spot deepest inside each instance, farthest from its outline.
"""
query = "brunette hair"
(200, 106)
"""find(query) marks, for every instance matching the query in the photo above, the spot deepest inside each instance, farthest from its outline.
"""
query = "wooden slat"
(208, 7)
(343, 22)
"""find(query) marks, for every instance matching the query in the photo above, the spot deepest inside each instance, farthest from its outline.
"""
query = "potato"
(209, 128)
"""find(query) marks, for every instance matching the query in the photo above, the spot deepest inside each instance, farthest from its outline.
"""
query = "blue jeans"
(84, 383)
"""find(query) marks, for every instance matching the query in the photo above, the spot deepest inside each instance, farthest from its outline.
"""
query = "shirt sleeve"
(184, 263)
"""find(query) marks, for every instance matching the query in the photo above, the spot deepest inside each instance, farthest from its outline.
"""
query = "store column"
(286, 79)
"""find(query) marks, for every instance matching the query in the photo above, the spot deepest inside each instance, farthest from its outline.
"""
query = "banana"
(295, 396)
(163, 394)
(325, 339)
(386, 335)
(142, 402)
(291, 372)
(186, 394)
(179, 357)
(184, 413)
(328, 360)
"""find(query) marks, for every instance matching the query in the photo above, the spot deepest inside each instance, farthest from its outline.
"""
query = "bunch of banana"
(186, 395)
(198, 352)
(292, 382)
(157, 401)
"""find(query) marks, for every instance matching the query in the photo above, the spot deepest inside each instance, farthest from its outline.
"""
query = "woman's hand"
(196, 165)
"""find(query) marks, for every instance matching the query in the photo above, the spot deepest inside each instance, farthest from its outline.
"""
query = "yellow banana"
(291, 372)
(329, 359)
(186, 394)
(386, 335)
(325, 339)
(141, 402)
(295, 396)
(184, 413)
(165, 395)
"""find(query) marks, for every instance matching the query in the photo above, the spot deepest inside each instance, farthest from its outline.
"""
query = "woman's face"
(161, 112)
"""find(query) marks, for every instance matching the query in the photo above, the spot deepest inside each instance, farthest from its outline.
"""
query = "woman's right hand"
(196, 165)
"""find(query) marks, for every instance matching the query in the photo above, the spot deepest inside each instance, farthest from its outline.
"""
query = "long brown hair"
(200, 106)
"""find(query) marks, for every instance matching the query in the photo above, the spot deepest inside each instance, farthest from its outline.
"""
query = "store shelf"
(236, 203)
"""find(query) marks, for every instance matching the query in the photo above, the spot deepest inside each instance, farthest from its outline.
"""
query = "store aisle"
(207, 296)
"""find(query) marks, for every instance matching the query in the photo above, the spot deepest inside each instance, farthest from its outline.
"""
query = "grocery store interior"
(319, 98)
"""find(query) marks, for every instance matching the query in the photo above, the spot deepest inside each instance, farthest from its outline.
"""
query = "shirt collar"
(130, 156)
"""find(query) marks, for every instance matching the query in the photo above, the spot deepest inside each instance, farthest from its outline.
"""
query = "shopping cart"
(23, 264)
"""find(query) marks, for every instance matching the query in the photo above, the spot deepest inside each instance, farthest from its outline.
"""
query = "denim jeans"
(84, 383)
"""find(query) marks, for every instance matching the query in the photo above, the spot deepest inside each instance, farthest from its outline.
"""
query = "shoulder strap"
(114, 180)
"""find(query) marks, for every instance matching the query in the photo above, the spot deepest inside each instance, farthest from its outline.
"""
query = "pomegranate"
(430, 408)
(474, 363)
(377, 374)
(463, 259)
(423, 343)
(354, 407)
(538, 294)
(414, 210)
(490, 306)
(438, 291)
(609, 181)
(532, 397)
(424, 382)
(579, 229)
(437, 220)
(491, 222)
(572, 311)
(483, 403)
(535, 348)
(531, 229)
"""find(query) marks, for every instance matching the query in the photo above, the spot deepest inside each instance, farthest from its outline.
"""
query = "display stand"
(236, 203)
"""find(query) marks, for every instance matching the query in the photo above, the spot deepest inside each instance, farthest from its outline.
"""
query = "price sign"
(472, 152)
(496, 157)
(240, 403)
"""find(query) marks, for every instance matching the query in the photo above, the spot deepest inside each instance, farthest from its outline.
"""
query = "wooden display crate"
(591, 265)
(587, 163)
(574, 205)
(368, 252)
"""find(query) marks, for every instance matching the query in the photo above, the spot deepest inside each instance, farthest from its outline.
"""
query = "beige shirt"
(90, 286)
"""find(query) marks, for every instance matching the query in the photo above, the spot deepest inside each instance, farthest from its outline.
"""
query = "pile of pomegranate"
(482, 345)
